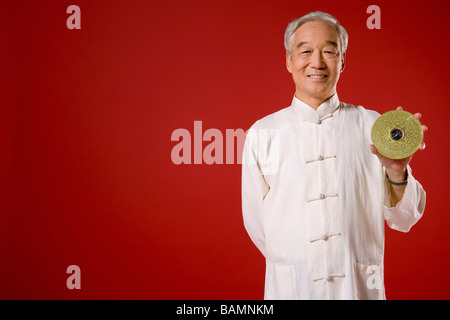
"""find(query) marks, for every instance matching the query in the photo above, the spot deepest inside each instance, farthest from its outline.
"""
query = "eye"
(305, 53)
(330, 54)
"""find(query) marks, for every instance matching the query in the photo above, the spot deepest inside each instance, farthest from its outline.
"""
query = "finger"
(418, 115)
(399, 108)
(424, 128)
(422, 146)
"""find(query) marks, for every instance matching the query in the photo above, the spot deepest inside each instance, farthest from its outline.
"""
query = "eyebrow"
(301, 43)
(332, 43)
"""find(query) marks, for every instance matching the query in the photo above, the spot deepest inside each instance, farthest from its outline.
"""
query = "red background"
(87, 117)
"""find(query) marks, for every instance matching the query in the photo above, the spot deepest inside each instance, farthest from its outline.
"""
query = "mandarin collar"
(307, 113)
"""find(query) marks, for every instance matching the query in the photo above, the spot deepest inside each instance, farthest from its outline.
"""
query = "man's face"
(316, 62)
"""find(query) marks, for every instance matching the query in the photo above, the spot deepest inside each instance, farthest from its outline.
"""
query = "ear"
(343, 62)
(288, 62)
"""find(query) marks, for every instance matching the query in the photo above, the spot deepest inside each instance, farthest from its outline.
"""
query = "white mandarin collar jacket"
(306, 113)
(314, 201)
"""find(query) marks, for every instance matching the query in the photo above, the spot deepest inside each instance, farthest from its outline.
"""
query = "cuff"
(409, 209)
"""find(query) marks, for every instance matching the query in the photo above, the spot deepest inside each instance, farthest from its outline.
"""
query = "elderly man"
(315, 191)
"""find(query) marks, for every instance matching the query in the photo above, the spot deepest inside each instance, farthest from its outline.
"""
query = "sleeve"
(409, 209)
(254, 190)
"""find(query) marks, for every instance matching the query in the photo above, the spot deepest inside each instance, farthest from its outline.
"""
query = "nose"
(317, 60)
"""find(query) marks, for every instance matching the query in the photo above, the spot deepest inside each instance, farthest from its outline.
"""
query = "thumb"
(374, 150)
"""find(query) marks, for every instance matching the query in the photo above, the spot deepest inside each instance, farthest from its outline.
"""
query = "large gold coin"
(397, 134)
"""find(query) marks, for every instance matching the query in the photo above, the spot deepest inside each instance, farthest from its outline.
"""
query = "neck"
(313, 102)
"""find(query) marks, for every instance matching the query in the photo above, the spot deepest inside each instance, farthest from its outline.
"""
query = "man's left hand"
(395, 169)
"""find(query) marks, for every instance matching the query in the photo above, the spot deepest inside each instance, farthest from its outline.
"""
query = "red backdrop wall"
(87, 117)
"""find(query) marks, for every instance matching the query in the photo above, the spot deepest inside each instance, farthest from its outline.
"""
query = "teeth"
(317, 77)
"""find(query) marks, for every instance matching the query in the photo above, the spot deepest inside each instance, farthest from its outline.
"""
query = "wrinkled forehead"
(316, 33)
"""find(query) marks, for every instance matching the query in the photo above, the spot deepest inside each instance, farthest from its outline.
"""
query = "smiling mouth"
(317, 76)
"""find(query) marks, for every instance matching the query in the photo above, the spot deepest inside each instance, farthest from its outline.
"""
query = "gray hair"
(315, 16)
